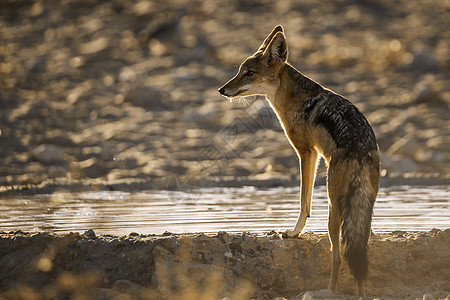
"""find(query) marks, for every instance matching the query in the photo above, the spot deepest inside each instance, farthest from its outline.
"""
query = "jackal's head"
(259, 74)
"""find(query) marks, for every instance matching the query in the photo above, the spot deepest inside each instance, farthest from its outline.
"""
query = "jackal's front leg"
(308, 162)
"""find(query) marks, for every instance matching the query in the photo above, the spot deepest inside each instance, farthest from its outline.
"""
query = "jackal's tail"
(356, 207)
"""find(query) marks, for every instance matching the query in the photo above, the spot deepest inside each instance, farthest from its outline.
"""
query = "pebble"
(126, 286)
(427, 296)
(48, 154)
(308, 296)
(89, 234)
(421, 60)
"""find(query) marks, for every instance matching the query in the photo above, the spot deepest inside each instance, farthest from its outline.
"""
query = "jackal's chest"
(305, 135)
(296, 130)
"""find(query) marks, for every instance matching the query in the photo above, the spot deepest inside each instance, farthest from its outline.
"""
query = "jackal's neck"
(299, 84)
(293, 88)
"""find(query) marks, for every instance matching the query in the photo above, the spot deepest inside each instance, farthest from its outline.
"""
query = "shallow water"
(408, 208)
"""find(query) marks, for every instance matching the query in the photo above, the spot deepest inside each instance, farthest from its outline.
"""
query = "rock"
(106, 294)
(421, 60)
(148, 97)
(206, 115)
(89, 234)
(439, 143)
(424, 93)
(127, 74)
(426, 155)
(57, 171)
(428, 296)
(397, 164)
(127, 286)
(307, 296)
(224, 237)
(48, 154)
(93, 167)
(406, 146)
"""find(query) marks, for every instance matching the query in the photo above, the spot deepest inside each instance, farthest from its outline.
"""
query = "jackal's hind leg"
(334, 229)
(361, 288)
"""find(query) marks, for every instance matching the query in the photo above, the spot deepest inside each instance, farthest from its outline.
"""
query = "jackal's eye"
(249, 73)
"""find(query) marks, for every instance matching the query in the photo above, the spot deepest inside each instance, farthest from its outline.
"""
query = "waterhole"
(209, 210)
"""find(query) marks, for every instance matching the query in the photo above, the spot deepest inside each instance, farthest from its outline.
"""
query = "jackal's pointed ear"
(266, 42)
(276, 51)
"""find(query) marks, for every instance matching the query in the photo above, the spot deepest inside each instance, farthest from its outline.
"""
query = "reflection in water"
(212, 210)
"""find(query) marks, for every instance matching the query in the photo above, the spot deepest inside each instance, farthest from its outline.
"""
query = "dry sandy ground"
(110, 92)
(403, 265)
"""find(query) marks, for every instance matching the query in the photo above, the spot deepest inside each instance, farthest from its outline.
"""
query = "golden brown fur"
(318, 122)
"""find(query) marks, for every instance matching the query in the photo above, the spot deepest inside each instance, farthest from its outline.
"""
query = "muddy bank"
(403, 265)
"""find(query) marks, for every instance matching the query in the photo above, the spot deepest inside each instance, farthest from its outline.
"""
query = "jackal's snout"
(229, 91)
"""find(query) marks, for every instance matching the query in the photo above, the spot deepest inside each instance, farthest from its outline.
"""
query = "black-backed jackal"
(316, 122)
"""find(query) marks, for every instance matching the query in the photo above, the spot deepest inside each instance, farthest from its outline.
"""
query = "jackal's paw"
(290, 234)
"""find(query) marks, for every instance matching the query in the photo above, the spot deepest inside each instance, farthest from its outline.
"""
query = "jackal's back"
(343, 121)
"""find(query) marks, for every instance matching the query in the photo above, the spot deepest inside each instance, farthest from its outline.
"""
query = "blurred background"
(125, 91)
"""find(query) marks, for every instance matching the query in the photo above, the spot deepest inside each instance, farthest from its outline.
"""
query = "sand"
(125, 92)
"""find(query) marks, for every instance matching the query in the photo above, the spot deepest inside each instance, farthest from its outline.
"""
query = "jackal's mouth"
(232, 94)
(238, 98)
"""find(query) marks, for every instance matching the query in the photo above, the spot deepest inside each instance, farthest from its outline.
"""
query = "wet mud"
(403, 265)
